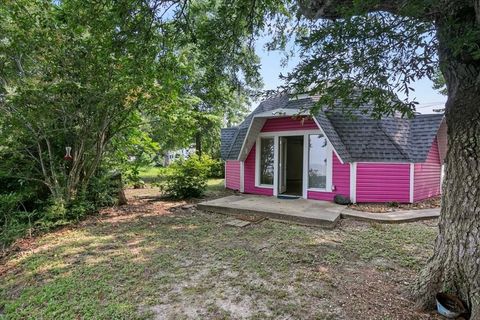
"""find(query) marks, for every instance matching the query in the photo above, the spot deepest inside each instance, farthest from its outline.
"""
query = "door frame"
(276, 136)
(282, 163)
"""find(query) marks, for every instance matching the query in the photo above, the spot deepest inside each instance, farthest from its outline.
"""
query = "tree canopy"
(87, 74)
(104, 78)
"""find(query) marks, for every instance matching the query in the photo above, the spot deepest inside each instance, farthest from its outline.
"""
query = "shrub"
(25, 209)
(187, 178)
(103, 189)
(15, 220)
(217, 169)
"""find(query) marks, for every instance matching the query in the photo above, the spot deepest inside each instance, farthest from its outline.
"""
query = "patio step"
(301, 211)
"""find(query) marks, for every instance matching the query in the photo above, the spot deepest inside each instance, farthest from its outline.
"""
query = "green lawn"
(150, 174)
(215, 185)
(144, 262)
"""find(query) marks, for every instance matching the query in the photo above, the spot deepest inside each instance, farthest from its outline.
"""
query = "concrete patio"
(309, 212)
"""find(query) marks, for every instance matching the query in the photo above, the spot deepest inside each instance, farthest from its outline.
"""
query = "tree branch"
(331, 9)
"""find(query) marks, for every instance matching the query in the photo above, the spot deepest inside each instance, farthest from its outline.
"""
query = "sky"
(271, 68)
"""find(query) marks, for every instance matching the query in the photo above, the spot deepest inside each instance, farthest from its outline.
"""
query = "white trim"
(412, 179)
(276, 113)
(334, 151)
(242, 176)
(280, 113)
(275, 165)
(290, 133)
(323, 132)
(257, 167)
(382, 162)
(353, 182)
(225, 175)
(305, 166)
(329, 172)
(329, 179)
(305, 133)
(257, 162)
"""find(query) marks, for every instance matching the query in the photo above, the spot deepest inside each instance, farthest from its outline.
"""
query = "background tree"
(88, 74)
(439, 83)
(381, 47)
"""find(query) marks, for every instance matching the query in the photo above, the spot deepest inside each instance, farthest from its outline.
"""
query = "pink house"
(281, 150)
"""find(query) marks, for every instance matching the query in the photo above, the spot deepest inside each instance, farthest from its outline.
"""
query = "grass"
(151, 174)
(144, 262)
(215, 185)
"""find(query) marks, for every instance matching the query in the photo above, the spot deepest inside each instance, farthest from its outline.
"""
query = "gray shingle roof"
(227, 136)
(357, 139)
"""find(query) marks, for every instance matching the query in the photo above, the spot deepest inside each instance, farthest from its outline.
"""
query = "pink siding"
(383, 182)
(232, 174)
(340, 179)
(427, 175)
(288, 124)
(249, 176)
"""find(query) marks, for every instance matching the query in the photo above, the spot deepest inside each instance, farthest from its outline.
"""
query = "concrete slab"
(302, 211)
(392, 217)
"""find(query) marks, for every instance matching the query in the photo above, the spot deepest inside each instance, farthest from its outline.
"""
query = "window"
(266, 161)
(317, 161)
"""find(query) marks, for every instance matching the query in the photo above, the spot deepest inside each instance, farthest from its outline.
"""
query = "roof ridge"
(365, 146)
(397, 146)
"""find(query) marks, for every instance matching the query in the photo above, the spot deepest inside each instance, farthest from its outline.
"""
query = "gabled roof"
(355, 139)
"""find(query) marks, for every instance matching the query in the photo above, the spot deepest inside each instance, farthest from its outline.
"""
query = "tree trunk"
(118, 182)
(198, 143)
(455, 264)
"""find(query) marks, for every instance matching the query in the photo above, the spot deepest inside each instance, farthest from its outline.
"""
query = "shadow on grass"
(140, 261)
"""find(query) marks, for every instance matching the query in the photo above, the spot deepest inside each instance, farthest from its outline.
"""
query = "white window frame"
(257, 161)
(305, 133)
(329, 171)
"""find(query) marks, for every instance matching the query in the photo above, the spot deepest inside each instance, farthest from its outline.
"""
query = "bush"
(15, 219)
(217, 169)
(30, 210)
(187, 178)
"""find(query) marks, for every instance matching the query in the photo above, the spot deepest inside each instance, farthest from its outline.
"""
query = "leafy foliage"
(187, 178)
(439, 83)
(365, 58)
(117, 81)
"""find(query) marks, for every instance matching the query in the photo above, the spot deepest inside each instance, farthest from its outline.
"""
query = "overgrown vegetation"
(117, 83)
(187, 178)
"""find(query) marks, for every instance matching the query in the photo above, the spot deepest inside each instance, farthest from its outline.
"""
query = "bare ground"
(157, 260)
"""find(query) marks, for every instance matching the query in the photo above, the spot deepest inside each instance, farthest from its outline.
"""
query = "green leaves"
(116, 81)
(365, 58)
(187, 178)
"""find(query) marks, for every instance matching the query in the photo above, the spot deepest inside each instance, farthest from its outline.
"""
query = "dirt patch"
(145, 260)
(430, 203)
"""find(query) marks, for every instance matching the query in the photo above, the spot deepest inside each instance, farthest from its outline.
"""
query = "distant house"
(279, 149)
(173, 155)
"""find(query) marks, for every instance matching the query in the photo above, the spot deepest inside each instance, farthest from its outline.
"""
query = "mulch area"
(395, 206)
